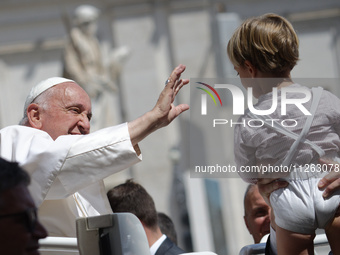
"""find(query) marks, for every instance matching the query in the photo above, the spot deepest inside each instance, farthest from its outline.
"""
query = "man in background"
(133, 198)
(20, 229)
(167, 226)
(256, 213)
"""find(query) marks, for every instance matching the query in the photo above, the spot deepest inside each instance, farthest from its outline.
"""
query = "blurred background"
(157, 35)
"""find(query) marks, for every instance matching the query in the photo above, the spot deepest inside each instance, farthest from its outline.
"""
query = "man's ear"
(246, 222)
(251, 68)
(34, 116)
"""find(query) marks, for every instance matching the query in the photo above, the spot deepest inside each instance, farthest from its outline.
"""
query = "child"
(263, 51)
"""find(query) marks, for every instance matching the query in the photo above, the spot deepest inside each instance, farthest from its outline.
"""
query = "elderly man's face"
(68, 111)
(257, 216)
(20, 230)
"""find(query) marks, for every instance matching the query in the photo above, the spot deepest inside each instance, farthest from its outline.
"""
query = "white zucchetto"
(41, 87)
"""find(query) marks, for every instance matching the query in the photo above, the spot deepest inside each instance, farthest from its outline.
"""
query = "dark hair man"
(20, 229)
(133, 198)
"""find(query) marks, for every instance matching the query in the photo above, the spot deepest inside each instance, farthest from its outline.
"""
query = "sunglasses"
(30, 218)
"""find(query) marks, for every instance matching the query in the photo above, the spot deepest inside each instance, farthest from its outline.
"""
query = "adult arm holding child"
(329, 183)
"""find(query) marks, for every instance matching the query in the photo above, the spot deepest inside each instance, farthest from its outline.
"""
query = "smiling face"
(257, 214)
(64, 109)
(15, 236)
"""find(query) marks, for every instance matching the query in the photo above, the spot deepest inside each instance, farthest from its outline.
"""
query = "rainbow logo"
(209, 93)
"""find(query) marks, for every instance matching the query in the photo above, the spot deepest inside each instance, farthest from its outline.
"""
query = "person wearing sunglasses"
(20, 229)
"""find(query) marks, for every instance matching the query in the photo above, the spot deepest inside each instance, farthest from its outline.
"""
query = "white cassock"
(67, 174)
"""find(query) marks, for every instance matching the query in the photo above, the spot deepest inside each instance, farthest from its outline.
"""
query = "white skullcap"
(41, 87)
(85, 13)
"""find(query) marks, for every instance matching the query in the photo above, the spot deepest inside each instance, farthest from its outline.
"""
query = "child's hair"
(268, 42)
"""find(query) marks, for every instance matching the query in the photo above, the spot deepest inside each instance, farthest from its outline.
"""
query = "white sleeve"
(92, 158)
(61, 167)
(244, 154)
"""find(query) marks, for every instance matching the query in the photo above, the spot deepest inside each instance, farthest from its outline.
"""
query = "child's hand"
(268, 185)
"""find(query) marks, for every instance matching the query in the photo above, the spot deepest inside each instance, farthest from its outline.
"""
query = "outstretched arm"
(164, 111)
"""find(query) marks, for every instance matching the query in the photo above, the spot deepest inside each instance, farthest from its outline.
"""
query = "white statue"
(84, 63)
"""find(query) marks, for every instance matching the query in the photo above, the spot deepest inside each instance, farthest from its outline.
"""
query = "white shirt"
(256, 145)
(67, 173)
(155, 246)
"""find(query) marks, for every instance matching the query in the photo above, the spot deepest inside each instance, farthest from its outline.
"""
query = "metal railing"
(61, 244)
(259, 248)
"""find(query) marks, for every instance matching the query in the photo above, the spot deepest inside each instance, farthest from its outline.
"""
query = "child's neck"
(267, 85)
(284, 83)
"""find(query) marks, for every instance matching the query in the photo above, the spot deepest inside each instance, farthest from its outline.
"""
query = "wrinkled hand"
(165, 111)
(331, 182)
(268, 185)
